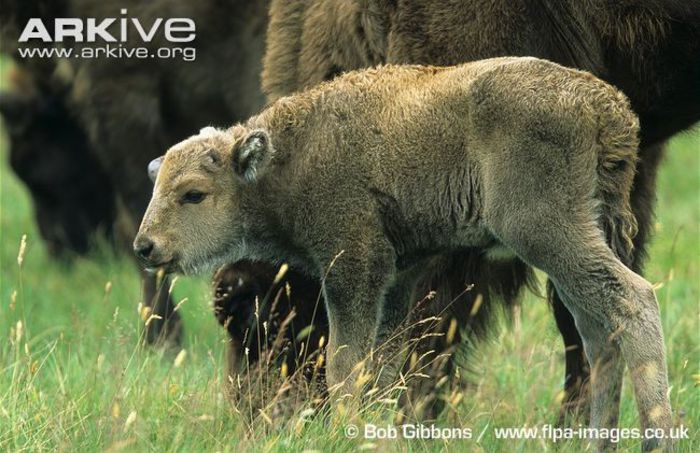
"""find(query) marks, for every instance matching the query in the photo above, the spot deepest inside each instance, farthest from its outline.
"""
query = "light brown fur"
(382, 169)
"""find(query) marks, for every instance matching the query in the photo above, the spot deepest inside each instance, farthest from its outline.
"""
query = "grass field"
(74, 377)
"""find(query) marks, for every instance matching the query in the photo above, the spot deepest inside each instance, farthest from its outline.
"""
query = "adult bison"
(48, 147)
(647, 48)
(49, 151)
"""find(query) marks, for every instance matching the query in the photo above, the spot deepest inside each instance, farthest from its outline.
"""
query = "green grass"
(78, 379)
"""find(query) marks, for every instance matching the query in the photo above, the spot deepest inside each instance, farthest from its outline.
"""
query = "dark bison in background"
(49, 150)
(71, 192)
(647, 48)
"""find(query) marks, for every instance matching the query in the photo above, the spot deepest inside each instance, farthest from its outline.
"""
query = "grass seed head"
(696, 380)
(281, 273)
(180, 358)
(456, 398)
(319, 362)
(22, 250)
(19, 331)
(452, 331)
(160, 275)
(477, 305)
(145, 312)
(560, 396)
(363, 377)
(172, 285)
(130, 419)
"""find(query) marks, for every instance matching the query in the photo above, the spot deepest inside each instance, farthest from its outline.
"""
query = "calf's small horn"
(153, 168)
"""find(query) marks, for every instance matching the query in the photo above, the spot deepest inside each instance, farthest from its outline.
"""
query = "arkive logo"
(112, 29)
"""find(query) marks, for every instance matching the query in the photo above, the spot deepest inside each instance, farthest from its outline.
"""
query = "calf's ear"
(153, 168)
(252, 155)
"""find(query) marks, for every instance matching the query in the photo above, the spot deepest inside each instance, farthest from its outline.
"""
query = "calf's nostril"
(144, 248)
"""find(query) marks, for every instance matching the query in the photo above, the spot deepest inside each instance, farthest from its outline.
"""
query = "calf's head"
(196, 218)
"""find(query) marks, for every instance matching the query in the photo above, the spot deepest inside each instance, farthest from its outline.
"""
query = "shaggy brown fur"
(647, 48)
(244, 300)
(362, 180)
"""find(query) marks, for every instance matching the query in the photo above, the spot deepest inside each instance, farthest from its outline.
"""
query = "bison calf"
(361, 180)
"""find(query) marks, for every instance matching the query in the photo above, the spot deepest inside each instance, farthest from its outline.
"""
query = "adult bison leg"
(237, 290)
(577, 372)
(642, 201)
(121, 112)
(166, 327)
(289, 305)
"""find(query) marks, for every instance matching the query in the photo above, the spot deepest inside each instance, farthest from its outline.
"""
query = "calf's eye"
(193, 197)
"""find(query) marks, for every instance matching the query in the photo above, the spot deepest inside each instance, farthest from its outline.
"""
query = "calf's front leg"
(354, 289)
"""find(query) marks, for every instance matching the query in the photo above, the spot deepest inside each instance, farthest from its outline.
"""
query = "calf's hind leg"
(615, 311)
(641, 203)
